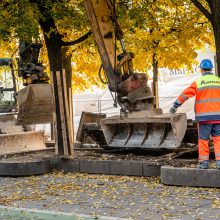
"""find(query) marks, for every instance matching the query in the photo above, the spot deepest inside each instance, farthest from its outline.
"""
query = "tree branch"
(208, 15)
(79, 40)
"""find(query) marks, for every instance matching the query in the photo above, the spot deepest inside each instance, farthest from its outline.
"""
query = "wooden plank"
(157, 94)
(62, 113)
(67, 114)
(54, 124)
(71, 114)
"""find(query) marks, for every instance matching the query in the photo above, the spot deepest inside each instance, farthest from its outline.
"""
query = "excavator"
(140, 124)
(19, 109)
(35, 100)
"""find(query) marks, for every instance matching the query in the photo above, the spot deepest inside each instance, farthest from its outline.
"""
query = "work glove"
(173, 110)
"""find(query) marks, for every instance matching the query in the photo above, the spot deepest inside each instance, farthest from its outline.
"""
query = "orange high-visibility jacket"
(207, 102)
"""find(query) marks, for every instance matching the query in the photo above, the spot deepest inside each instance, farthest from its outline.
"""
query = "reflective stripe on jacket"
(207, 92)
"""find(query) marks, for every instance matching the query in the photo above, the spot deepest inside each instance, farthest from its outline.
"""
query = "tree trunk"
(155, 68)
(54, 50)
(217, 44)
(216, 28)
(155, 79)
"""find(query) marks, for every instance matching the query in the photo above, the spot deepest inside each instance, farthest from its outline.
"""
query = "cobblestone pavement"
(111, 196)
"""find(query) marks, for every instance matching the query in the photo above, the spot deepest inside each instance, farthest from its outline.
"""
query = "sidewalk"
(96, 196)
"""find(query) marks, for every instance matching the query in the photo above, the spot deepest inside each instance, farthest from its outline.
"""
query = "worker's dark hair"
(207, 69)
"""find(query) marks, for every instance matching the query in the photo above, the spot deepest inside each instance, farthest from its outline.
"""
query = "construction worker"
(207, 111)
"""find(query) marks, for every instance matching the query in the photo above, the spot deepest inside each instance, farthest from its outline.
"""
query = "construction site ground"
(59, 195)
(97, 161)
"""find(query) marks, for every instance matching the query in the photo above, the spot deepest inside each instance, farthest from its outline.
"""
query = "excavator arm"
(99, 14)
(139, 124)
(131, 88)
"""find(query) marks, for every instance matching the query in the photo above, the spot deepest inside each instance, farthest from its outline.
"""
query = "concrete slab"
(184, 176)
(108, 167)
(129, 168)
(21, 168)
(95, 166)
(23, 164)
(151, 170)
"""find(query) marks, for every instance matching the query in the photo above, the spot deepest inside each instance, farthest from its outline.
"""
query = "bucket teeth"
(119, 133)
(161, 131)
(154, 136)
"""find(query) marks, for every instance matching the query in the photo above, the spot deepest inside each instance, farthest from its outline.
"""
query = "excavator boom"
(99, 14)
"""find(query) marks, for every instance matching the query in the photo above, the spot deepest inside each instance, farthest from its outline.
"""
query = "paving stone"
(66, 165)
(128, 168)
(151, 170)
(94, 166)
(29, 168)
(184, 176)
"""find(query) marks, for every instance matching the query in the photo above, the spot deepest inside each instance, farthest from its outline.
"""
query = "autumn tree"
(48, 11)
(165, 33)
(155, 30)
(161, 33)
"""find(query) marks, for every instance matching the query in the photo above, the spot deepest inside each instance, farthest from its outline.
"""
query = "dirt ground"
(116, 196)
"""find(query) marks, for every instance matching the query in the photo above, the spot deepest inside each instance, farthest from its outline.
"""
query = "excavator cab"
(7, 86)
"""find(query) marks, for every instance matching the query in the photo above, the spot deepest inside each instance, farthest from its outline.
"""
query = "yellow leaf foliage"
(173, 30)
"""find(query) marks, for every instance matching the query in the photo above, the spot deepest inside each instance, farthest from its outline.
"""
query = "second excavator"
(35, 100)
(140, 124)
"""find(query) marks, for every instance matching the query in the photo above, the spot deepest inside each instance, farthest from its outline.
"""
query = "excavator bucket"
(158, 131)
(35, 104)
